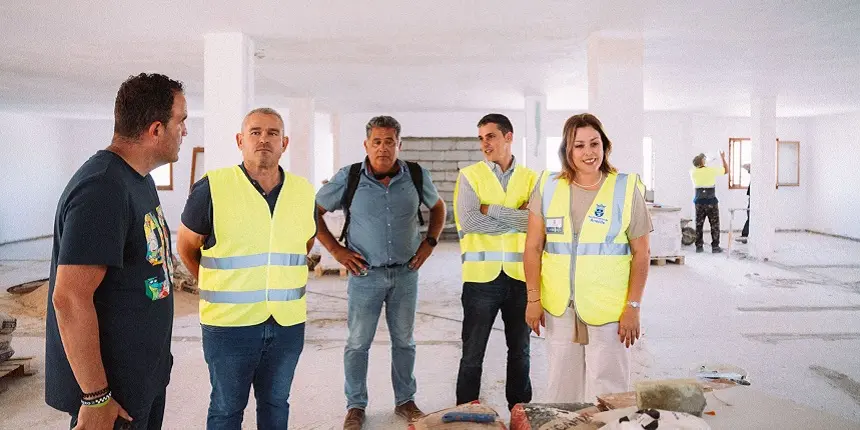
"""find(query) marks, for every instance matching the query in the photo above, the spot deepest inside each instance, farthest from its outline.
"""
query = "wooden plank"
(661, 261)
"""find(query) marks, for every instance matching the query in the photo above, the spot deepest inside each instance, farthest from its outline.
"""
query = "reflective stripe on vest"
(256, 260)
(597, 259)
(510, 257)
(253, 296)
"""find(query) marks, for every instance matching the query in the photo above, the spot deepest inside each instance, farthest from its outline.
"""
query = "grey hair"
(264, 111)
(383, 121)
(699, 160)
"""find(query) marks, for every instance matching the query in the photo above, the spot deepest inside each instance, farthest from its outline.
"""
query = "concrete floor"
(792, 323)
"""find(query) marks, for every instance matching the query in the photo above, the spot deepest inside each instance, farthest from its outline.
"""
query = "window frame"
(732, 167)
(169, 186)
(796, 143)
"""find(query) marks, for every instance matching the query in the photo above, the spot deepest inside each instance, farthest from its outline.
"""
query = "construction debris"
(182, 278)
(461, 417)
(679, 395)
(542, 416)
(7, 326)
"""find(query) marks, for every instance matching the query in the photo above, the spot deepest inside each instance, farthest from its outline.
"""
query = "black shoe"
(716, 250)
(700, 249)
(742, 239)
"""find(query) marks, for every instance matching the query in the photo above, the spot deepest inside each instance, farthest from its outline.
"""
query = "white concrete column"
(335, 142)
(228, 93)
(301, 149)
(535, 132)
(323, 148)
(762, 176)
(616, 95)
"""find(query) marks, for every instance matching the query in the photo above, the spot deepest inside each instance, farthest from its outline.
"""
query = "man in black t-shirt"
(110, 316)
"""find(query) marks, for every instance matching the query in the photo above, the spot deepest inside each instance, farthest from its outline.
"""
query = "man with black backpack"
(383, 251)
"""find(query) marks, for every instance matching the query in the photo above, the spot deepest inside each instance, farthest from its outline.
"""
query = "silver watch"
(634, 305)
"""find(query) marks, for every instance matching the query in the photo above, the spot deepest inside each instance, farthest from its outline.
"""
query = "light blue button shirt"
(383, 220)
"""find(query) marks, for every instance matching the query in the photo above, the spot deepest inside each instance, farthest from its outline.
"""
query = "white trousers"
(579, 373)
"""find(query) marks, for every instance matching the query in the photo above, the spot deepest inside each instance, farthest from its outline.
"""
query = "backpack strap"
(346, 200)
(417, 176)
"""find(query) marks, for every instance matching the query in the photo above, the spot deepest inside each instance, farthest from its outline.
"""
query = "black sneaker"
(700, 249)
(716, 250)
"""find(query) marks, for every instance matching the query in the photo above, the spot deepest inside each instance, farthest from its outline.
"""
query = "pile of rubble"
(7, 326)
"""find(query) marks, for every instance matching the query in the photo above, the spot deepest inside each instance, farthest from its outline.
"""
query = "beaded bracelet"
(98, 393)
(99, 402)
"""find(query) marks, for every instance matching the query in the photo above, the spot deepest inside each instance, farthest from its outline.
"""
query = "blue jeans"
(397, 288)
(481, 303)
(264, 355)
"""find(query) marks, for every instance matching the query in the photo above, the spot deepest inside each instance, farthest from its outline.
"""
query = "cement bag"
(435, 420)
(551, 416)
(654, 419)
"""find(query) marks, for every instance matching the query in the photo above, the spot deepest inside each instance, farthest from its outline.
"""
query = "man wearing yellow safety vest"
(707, 206)
(245, 234)
(490, 211)
(586, 261)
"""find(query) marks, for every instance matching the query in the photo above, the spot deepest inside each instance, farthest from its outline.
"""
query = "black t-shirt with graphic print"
(110, 215)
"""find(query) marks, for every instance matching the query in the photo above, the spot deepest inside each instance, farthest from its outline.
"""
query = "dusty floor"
(791, 323)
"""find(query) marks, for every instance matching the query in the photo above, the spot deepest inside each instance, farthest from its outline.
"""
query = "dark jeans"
(481, 303)
(149, 421)
(264, 355)
(712, 213)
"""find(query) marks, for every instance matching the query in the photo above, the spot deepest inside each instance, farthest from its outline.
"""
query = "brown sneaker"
(409, 411)
(354, 419)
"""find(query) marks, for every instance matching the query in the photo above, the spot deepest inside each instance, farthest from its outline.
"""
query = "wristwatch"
(431, 241)
(634, 305)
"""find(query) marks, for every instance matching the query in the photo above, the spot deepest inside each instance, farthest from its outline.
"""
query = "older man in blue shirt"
(383, 255)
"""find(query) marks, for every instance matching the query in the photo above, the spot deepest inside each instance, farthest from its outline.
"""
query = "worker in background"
(246, 231)
(586, 261)
(746, 230)
(490, 211)
(707, 206)
(384, 250)
(110, 307)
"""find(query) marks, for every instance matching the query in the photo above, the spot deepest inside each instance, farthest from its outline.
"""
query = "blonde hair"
(568, 135)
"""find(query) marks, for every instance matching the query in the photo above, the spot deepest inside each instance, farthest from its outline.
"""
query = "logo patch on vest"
(555, 225)
(598, 218)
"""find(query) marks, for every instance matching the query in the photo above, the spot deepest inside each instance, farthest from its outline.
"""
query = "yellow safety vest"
(599, 258)
(706, 177)
(258, 266)
(484, 256)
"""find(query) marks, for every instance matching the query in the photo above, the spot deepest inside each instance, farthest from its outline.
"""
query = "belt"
(388, 266)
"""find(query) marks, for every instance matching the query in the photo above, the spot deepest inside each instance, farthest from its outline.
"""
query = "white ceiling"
(383, 55)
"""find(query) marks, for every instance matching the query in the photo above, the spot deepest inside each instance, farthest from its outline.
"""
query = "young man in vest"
(705, 180)
(110, 317)
(490, 210)
(383, 254)
(246, 231)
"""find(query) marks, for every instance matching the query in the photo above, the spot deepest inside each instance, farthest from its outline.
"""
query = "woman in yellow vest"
(586, 260)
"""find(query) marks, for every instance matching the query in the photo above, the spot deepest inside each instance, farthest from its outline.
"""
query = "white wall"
(835, 208)
(35, 169)
(677, 137)
(42, 154)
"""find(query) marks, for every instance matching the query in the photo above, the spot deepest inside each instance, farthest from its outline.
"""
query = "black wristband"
(96, 394)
